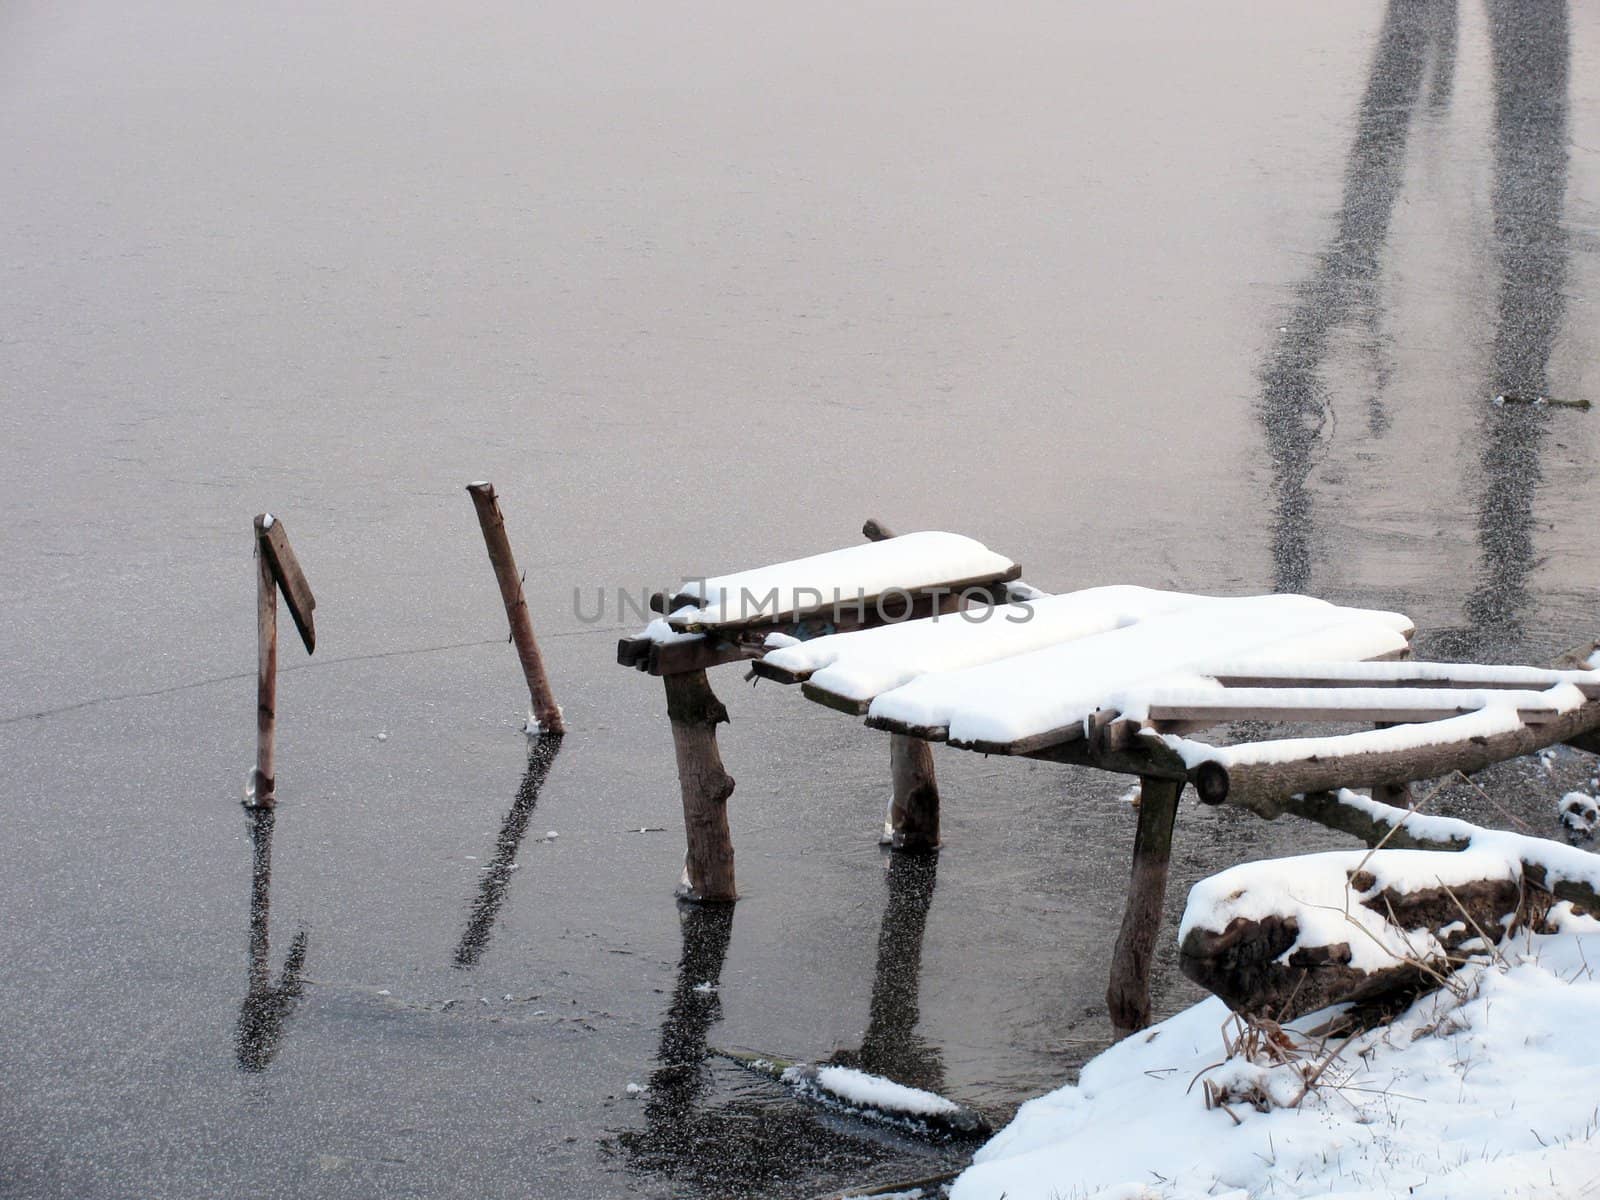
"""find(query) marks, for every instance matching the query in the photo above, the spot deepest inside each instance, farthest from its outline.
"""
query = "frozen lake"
(1214, 298)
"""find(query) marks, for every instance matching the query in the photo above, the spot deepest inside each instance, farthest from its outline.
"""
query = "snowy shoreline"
(1486, 1089)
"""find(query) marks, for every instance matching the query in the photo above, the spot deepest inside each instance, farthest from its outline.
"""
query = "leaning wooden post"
(276, 569)
(1128, 994)
(695, 713)
(546, 714)
(261, 791)
(914, 810)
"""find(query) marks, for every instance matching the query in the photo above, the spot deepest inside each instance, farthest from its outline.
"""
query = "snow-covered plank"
(1404, 674)
(1021, 703)
(846, 670)
(872, 575)
(1391, 705)
(1261, 776)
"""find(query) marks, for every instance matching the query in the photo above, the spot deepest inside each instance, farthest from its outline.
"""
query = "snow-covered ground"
(1489, 1090)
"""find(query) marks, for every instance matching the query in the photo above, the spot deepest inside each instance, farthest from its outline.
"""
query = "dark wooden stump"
(695, 712)
(914, 812)
(1128, 993)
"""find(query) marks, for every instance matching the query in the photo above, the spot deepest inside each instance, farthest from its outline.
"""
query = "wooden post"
(914, 811)
(262, 792)
(695, 712)
(546, 713)
(1128, 994)
(276, 569)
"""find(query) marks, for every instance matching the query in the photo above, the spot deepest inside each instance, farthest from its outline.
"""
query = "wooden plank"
(777, 674)
(1033, 744)
(1393, 714)
(1264, 787)
(866, 611)
(1023, 746)
(712, 649)
(279, 556)
(1151, 758)
(631, 652)
(1405, 678)
(697, 654)
(928, 733)
(833, 700)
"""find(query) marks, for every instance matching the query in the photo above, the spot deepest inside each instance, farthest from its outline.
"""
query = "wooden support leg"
(1128, 994)
(695, 712)
(914, 812)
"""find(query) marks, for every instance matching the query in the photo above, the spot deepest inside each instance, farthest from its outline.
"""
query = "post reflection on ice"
(1295, 408)
(267, 1005)
(891, 1045)
(1530, 52)
(1529, 46)
(719, 1130)
(497, 877)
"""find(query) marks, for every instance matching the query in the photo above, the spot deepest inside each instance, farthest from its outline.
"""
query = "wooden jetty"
(930, 637)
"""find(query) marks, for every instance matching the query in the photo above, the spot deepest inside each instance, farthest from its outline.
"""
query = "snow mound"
(1458, 1099)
